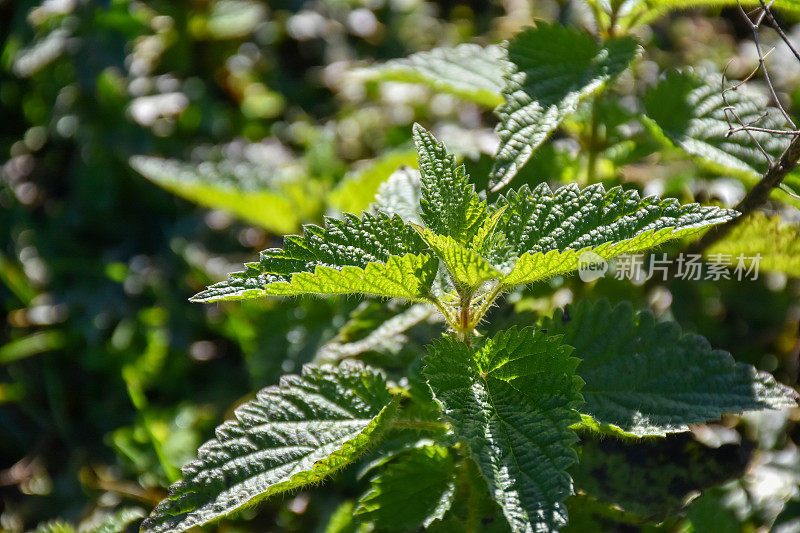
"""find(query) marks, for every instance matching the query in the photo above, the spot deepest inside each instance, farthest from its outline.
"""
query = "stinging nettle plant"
(510, 403)
(480, 435)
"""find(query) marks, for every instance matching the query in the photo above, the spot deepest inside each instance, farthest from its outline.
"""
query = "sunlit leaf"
(260, 194)
(449, 203)
(469, 71)
(357, 190)
(639, 12)
(290, 436)
(776, 244)
(400, 195)
(688, 110)
(115, 522)
(368, 255)
(468, 269)
(548, 232)
(554, 68)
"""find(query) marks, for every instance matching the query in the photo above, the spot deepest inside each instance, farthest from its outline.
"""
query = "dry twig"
(777, 170)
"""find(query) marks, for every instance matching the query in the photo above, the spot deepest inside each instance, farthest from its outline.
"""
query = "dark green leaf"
(413, 490)
(512, 400)
(554, 68)
(651, 378)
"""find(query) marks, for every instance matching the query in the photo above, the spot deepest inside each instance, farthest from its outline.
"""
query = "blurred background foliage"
(269, 115)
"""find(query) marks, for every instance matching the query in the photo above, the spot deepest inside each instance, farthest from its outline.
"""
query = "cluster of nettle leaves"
(499, 413)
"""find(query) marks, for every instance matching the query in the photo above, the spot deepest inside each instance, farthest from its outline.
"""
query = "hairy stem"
(448, 316)
(488, 300)
(421, 425)
(463, 329)
(598, 14)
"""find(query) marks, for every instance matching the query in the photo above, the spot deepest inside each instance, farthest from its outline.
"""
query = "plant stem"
(591, 165)
(598, 13)
(421, 425)
(477, 316)
(612, 23)
(464, 322)
(139, 401)
(473, 502)
(448, 316)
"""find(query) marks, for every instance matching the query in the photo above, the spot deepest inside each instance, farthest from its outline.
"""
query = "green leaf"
(389, 335)
(343, 520)
(54, 526)
(549, 232)
(115, 522)
(588, 514)
(372, 255)
(400, 195)
(231, 19)
(555, 67)
(409, 277)
(713, 512)
(35, 343)
(484, 240)
(412, 491)
(651, 378)
(290, 436)
(512, 400)
(687, 110)
(100, 522)
(466, 267)
(777, 243)
(589, 425)
(473, 508)
(264, 195)
(645, 11)
(653, 478)
(469, 71)
(357, 190)
(449, 204)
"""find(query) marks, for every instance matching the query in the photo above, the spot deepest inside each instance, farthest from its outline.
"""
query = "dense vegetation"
(476, 385)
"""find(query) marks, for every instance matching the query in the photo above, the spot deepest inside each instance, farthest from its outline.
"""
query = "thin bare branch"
(777, 28)
(788, 160)
(750, 127)
(789, 192)
(732, 110)
(754, 199)
(754, 27)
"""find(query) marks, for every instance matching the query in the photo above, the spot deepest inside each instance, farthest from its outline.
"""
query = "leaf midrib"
(504, 424)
